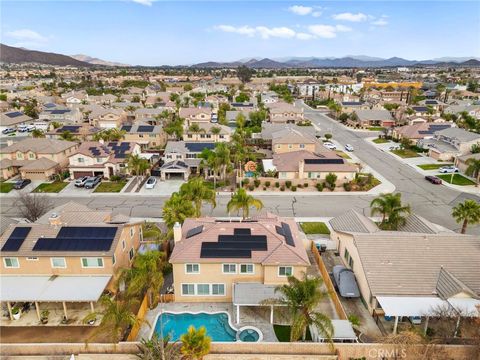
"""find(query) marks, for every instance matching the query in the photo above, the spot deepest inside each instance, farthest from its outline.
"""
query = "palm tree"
(302, 298)
(222, 152)
(176, 209)
(473, 169)
(196, 191)
(215, 130)
(242, 201)
(156, 349)
(195, 343)
(137, 164)
(67, 135)
(37, 133)
(467, 212)
(390, 207)
(194, 128)
(145, 276)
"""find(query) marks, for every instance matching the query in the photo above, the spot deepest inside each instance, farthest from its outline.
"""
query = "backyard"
(315, 228)
(5, 187)
(456, 179)
(110, 186)
(53, 187)
(405, 153)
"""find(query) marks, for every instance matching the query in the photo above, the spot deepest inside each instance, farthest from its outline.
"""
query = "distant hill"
(10, 54)
(96, 61)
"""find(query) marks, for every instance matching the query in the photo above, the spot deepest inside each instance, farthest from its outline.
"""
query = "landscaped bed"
(376, 128)
(315, 228)
(5, 187)
(405, 153)
(457, 179)
(110, 186)
(53, 187)
(432, 166)
(380, 141)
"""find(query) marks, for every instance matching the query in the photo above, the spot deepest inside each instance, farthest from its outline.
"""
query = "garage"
(79, 174)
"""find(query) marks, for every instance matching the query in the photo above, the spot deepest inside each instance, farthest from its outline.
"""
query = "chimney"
(177, 232)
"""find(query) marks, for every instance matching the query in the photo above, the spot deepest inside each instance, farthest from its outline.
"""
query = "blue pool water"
(175, 325)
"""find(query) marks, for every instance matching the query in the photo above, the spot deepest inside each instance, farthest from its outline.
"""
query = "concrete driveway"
(72, 190)
(165, 188)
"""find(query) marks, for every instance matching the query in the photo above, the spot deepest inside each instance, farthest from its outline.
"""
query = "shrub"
(319, 186)
(328, 136)
(245, 182)
(347, 186)
(115, 178)
(294, 188)
(299, 186)
(282, 188)
(267, 183)
(256, 182)
(331, 180)
(288, 183)
(277, 184)
(305, 185)
(251, 187)
(264, 188)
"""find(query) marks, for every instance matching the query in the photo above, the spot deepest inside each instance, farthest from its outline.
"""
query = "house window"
(11, 262)
(131, 253)
(346, 255)
(279, 146)
(188, 289)
(246, 269)
(32, 258)
(58, 263)
(218, 289)
(81, 160)
(222, 136)
(114, 260)
(132, 231)
(229, 268)
(31, 156)
(350, 262)
(203, 289)
(92, 262)
(98, 160)
(302, 146)
(19, 156)
(123, 245)
(285, 271)
(290, 146)
(192, 268)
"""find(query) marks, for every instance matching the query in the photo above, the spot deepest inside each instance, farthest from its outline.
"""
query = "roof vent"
(53, 216)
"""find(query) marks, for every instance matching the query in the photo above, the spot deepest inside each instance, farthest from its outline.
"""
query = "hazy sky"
(149, 32)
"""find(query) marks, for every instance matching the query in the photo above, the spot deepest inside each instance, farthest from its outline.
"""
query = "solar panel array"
(14, 114)
(95, 151)
(145, 128)
(16, 238)
(195, 231)
(287, 233)
(198, 147)
(71, 128)
(323, 161)
(431, 102)
(77, 238)
(126, 128)
(59, 111)
(239, 245)
(119, 149)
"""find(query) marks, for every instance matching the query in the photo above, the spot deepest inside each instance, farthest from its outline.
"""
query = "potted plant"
(16, 313)
(44, 316)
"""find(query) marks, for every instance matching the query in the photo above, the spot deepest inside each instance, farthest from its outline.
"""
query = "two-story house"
(62, 115)
(281, 112)
(108, 118)
(196, 115)
(147, 136)
(35, 159)
(208, 132)
(449, 143)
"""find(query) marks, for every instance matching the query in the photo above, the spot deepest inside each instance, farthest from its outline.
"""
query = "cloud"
(144, 2)
(317, 14)
(301, 10)
(327, 31)
(351, 17)
(380, 22)
(305, 36)
(243, 30)
(26, 35)
(263, 31)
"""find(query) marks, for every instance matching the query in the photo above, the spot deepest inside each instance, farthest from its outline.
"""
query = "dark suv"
(20, 184)
(91, 182)
(433, 179)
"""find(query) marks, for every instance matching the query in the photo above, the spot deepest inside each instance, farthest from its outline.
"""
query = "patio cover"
(342, 330)
(52, 288)
(268, 165)
(253, 294)
(467, 307)
(409, 305)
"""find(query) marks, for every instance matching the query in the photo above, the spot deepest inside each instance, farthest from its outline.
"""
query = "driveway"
(72, 190)
(162, 188)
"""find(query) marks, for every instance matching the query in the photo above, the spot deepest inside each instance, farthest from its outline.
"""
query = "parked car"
(80, 182)
(8, 131)
(151, 182)
(330, 145)
(20, 184)
(349, 147)
(415, 320)
(30, 128)
(22, 128)
(91, 182)
(345, 281)
(448, 169)
(433, 179)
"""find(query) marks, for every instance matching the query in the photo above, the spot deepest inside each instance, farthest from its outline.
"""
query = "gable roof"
(39, 146)
(448, 285)
(353, 222)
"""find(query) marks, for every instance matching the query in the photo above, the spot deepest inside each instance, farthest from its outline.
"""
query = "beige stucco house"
(195, 115)
(449, 143)
(281, 112)
(208, 132)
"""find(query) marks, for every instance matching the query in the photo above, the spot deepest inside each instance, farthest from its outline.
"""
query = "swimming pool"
(217, 324)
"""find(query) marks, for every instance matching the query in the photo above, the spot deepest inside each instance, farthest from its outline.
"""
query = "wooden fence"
(328, 282)
(140, 316)
(166, 298)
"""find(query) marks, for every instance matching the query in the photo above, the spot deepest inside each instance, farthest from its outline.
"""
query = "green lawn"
(457, 179)
(342, 154)
(406, 153)
(282, 332)
(315, 228)
(380, 141)
(54, 187)
(5, 187)
(110, 187)
(432, 166)
(376, 128)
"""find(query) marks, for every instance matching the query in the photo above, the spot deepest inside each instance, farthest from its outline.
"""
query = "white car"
(330, 145)
(349, 147)
(448, 169)
(151, 182)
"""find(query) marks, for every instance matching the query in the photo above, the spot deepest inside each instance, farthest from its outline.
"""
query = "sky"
(150, 32)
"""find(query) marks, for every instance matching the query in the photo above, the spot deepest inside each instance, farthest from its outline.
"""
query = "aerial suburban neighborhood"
(263, 208)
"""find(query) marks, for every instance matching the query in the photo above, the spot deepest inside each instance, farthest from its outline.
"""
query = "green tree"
(67, 135)
(473, 169)
(197, 191)
(194, 128)
(177, 209)
(195, 343)
(215, 130)
(466, 213)
(331, 180)
(302, 297)
(242, 97)
(242, 201)
(393, 212)
(244, 74)
(37, 133)
(222, 152)
(137, 165)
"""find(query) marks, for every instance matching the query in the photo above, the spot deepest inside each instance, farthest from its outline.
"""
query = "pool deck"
(249, 316)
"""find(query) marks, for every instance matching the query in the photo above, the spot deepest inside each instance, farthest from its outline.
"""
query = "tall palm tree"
(222, 152)
(196, 191)
(393, 212)
(467, 212)
(145, 276)
(194, 128)
(195, 343)
(302, 296)
(473, 169)
(67, 135)
(176, 209)
(137, 164)
(215, 130)
(242, 201)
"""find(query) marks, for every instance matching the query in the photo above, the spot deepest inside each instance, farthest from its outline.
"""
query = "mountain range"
(10, 54)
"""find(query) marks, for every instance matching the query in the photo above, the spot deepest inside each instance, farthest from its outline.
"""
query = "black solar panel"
(242, 231)
(59, 111)
(288, 234)
(236, 245)
(127, 128)
(225, 253)
(323, 161)
(145, 128)
(14, 114)
(195, 231)
(279, 230)
(71, 128)
(198, 147)
(16, 238)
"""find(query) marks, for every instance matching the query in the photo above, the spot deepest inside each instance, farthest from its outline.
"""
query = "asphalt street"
(430, 201)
